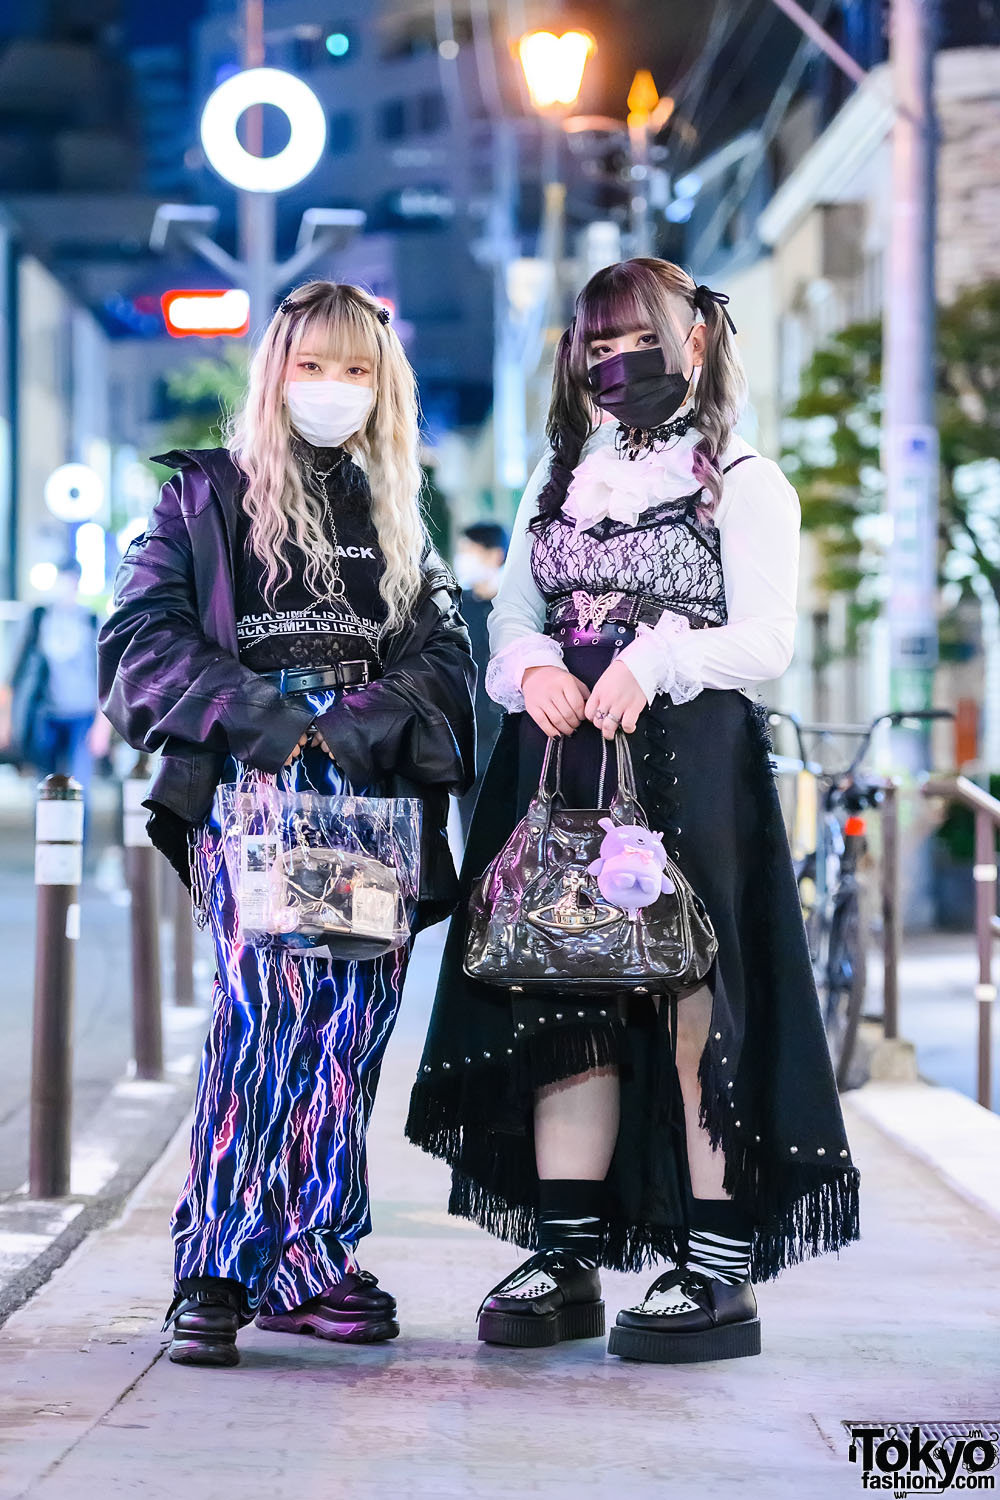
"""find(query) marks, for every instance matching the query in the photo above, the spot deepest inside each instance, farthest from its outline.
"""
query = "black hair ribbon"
(703, 294)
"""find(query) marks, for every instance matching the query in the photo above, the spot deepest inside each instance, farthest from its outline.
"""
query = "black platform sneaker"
(205, 1323)
(551, 1297)
(687, 1316)
(355, 1311)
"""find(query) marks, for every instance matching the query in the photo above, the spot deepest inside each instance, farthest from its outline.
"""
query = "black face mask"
(635, 388)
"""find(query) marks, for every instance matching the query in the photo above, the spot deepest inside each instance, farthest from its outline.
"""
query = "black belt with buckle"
(629, 610)
(306, 679)
(563, 616)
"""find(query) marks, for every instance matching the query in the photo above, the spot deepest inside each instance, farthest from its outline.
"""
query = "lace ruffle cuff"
(507, 668)
(652, 659)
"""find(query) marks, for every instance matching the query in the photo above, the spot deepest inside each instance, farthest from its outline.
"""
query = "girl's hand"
(554, 698)
(317, 739)
(297, 750)
(617, 699)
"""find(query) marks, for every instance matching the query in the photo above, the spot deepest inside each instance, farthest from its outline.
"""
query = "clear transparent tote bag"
(310, 871)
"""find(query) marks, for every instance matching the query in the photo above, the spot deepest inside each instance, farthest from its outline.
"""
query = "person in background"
(480, 553)
(49, 714)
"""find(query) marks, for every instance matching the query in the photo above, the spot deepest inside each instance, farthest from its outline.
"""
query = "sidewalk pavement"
(902, 1326)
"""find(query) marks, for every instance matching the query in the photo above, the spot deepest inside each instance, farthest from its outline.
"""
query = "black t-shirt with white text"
(301, 630)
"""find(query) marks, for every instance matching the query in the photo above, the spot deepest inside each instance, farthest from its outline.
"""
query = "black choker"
(630, 442)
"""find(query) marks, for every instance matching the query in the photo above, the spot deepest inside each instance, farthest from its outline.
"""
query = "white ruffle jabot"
(605, 484)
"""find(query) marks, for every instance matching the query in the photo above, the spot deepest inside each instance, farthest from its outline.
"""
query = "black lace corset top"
(671, 556)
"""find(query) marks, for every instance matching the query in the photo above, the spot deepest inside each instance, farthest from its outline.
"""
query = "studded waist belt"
(588, 616)
(306, 679)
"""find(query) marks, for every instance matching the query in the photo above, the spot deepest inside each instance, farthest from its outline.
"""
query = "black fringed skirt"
(768, 1094)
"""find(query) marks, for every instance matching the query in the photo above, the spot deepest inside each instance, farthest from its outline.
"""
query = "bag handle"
(626, 797)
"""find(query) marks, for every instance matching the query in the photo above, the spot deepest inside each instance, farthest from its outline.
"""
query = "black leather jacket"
(170, 679)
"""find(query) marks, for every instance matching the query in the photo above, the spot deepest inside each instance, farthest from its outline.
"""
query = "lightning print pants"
(277, 1193)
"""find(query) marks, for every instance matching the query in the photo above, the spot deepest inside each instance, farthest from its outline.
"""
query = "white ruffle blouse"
(758, 521)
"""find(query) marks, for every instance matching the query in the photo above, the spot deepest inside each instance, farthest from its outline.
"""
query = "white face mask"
(472, 571)
(327, 412)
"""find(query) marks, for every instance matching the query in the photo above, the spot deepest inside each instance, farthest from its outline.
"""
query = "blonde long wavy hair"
(341, 321)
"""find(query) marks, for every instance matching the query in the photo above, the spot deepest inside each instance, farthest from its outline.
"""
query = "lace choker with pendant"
(631, 442)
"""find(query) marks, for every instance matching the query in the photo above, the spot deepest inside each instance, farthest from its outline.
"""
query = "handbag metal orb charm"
(575, 910)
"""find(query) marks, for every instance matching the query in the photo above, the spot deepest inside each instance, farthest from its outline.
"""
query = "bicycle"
(830, 888)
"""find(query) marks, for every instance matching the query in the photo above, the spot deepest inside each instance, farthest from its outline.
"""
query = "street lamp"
(258, 179)
(525, 292)
(553, 65)
(247, 90)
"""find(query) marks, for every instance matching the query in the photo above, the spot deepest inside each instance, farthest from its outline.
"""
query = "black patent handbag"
(538, 919)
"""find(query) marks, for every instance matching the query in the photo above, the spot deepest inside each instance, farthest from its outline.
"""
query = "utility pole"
(256, 210)
(909, 432)
(643, 99)
(910, 447)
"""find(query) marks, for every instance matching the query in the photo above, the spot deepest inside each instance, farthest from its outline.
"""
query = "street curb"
(957, 1138)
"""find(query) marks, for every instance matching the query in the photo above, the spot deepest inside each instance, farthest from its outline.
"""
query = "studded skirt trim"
(768, 1096)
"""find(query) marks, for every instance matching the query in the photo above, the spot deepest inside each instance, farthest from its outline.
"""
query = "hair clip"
(286, 305)
(703, 294)
(383, 315)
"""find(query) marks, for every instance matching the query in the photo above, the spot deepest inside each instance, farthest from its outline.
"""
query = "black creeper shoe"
(550, 1297)
(687, 1316)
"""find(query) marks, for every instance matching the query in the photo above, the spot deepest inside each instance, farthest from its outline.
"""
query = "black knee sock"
(569, 1217)
(720, 1240)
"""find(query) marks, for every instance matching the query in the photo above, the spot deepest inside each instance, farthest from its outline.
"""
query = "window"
(343, 132)
(392, 120)
(430, 112)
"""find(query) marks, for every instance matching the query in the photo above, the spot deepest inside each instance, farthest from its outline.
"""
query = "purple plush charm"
(630, 870)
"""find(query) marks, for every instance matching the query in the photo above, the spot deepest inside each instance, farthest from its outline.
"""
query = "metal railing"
(986, 810)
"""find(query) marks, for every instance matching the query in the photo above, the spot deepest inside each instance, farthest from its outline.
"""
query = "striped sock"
(718, 1256)
(719, 1242)
(569, 1217)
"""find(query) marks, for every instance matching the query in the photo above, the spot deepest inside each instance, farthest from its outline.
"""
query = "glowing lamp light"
(74, 492)
(91, 554)
(337, 44)
(207, 315)
(306, 126)
(42, 577)
(553, 65)
(643, 97)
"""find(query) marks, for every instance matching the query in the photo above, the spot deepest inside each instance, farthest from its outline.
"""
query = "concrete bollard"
(58, 870)
(140, 873)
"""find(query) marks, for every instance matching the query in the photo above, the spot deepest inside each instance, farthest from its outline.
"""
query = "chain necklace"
(631, 442)
(316, 480)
